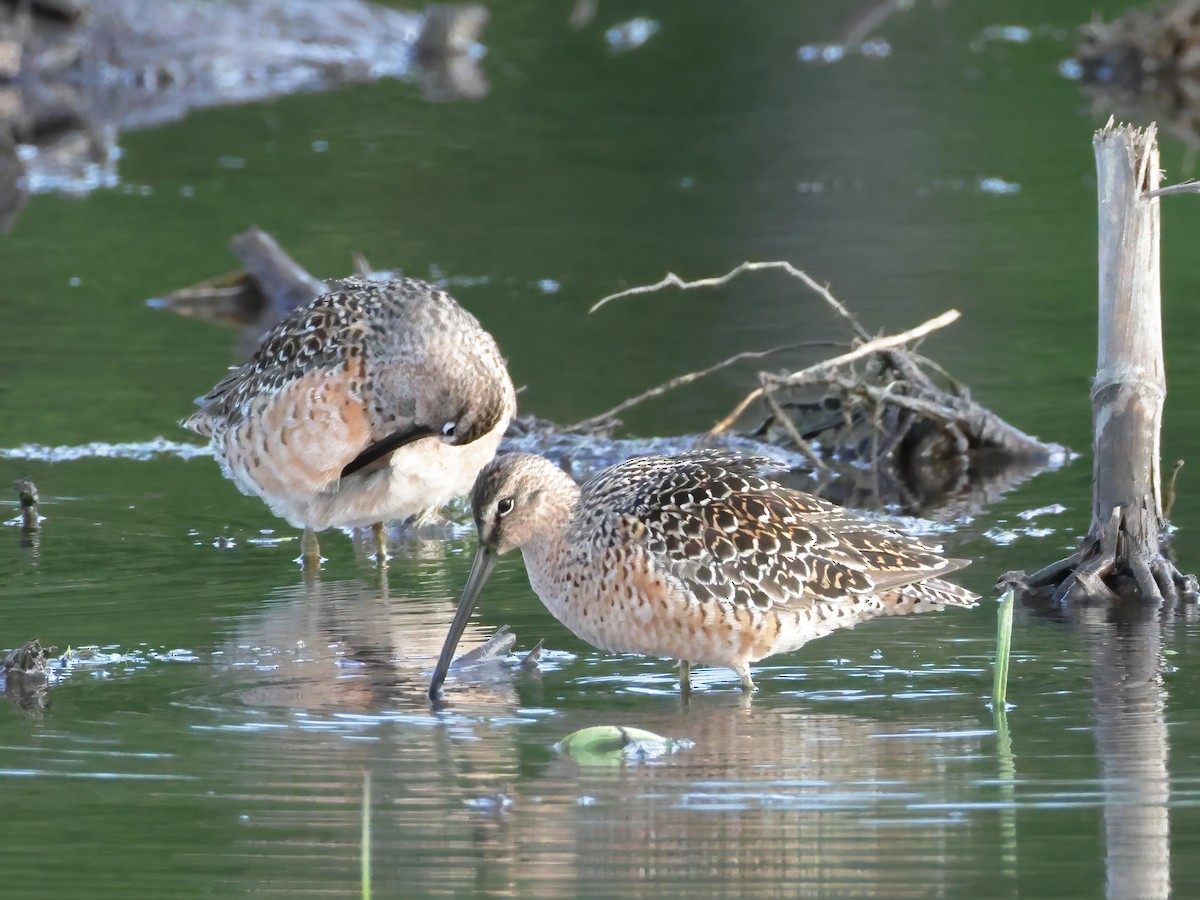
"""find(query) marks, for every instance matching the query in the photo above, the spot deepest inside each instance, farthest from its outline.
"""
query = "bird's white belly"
(425, 474)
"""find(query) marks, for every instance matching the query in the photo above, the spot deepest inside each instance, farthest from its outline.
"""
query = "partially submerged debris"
(496, 647)
(895, 430)
(448, 50)
(28, 660)
(530, 662)
(14, 193)
(611, 745)
(27, 496)
(256, 297)
(24, 675)
(882, 424)
(1125, 553)
(1145, 66)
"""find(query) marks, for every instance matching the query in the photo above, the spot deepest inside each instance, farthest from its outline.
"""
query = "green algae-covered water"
(218, 740)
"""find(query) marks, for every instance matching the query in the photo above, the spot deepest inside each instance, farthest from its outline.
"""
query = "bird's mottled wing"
(369, 337)
(326, 334)
(728, 534)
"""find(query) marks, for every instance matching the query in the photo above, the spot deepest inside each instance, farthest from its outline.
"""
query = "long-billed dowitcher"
(375, 401)
(696, 557)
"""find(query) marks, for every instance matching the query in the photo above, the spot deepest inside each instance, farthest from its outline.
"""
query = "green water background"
(866, 765)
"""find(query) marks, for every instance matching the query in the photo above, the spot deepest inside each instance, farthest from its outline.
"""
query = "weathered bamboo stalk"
(1127, 536)
(1131, 384)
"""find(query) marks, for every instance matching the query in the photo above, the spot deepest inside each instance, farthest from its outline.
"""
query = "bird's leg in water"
(310, 550)
(379, 529)
(747, 682)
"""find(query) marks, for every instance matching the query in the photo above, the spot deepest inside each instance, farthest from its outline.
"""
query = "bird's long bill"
(382, 448)
(485, 561)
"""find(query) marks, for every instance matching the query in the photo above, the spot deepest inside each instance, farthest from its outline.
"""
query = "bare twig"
(769, 381)
(736, 413)
(1169, 499)
(790, 427)
(688, 378)
(1185, 187)
(887, 342)
(883, 396)
(960, 390)
(673, 280)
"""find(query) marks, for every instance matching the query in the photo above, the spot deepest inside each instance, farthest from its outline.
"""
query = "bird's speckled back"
(402, 322)
(713, 522)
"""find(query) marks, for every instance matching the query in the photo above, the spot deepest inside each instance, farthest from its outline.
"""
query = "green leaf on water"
(610, 745)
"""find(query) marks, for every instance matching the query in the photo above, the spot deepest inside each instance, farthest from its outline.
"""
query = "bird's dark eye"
(448, 429)
(504, 507)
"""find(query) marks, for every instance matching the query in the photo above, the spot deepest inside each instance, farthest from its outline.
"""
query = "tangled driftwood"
(884, 425)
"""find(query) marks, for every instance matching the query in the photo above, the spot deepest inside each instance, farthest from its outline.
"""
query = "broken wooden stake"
(1126, 543)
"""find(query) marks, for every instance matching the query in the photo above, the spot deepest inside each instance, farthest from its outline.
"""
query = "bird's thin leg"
(685, 679)
(310, 550)
(743, 672)
(381, 549)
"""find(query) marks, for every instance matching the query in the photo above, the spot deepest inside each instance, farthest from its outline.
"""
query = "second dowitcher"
(696, 557)
(374, 402)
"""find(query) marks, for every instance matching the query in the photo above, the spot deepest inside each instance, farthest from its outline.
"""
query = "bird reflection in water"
(351, 646)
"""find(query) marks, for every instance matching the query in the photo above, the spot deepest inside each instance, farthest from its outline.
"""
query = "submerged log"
(447, 52)
(269, 285)
(29, 659)
(1124, 552)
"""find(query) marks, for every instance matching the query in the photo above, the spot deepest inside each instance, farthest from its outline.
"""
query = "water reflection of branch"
(1131, 741)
